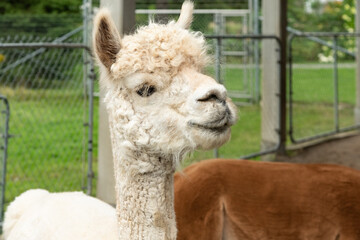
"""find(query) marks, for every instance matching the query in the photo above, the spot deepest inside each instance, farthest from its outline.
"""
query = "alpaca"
(38, 215)
(239, 199)
(160, 108)
(243, 200)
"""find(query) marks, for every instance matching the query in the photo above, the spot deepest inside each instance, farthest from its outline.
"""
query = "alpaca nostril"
(212, 96)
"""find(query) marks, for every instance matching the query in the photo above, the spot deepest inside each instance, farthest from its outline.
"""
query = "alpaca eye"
(146, 90)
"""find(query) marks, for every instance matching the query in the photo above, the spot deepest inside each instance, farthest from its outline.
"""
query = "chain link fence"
(322, 85)
(50, 97)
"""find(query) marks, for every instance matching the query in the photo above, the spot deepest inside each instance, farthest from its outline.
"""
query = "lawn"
(48, 149)
(314, 99)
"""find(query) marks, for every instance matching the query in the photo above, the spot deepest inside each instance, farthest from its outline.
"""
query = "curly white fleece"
(160, 48)
(38, 215)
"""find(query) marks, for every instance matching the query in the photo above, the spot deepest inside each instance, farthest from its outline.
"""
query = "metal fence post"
(90, 175)
(5, 136)
(256, 52)
(336, 90)
(217, 74)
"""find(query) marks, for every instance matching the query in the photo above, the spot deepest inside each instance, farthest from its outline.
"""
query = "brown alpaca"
(239, 199)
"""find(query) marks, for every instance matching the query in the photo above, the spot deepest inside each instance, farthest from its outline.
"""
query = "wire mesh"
(50, 108)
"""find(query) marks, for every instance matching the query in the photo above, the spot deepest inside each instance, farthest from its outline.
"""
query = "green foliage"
(348, 15)
(337, 16)
(39, 6)
(51, 26)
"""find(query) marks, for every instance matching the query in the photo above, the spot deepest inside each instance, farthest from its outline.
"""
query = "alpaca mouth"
(217, 126)
(219, 129)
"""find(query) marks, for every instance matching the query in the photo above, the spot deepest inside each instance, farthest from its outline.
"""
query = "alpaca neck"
(145, 196)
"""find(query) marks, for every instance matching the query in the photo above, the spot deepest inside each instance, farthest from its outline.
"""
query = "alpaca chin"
(207, 140)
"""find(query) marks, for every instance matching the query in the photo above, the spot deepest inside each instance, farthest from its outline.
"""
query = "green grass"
(314, 100)
(47, 149)
(316, 85)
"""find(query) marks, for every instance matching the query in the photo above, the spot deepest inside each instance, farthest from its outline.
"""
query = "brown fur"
(239, 199)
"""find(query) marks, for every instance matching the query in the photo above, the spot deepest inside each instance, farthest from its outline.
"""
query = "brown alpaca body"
(239, 199)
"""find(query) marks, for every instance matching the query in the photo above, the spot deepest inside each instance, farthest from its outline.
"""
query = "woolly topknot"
(159, 48)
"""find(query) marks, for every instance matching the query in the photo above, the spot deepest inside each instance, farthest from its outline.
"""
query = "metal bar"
(46, 45)
(256, 52)
(245, 36)
(90, 174)
(217, 74)
(282, 93)
(5, 147)
(227, 12)
(244, 58)
(336, 85)
(218, 56)
(252, 155)
(234, 53)
(326, 134)
(318, 40)
(291, 123)
(86, 6)
(328, 34)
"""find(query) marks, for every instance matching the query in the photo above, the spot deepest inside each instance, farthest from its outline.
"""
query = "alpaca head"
(157, 97)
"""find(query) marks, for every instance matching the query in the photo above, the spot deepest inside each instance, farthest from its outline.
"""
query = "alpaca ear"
(186, 15)
(106, 38)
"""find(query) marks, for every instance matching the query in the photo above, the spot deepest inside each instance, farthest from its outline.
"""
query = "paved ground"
(345, 151)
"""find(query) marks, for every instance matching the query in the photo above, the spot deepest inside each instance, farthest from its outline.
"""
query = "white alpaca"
(160, 107)
(38, 214)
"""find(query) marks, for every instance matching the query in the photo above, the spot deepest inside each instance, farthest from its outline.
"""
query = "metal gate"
(50, 90)
(322, 88)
